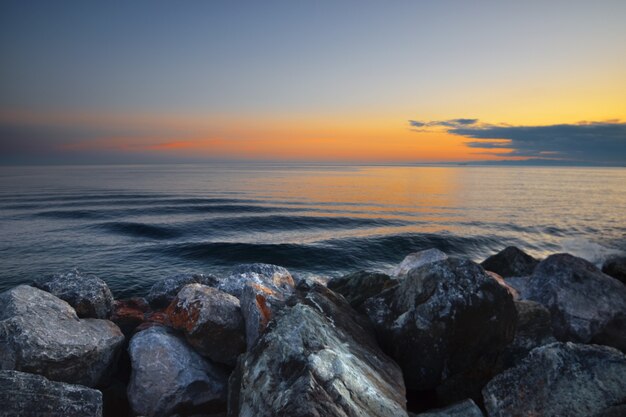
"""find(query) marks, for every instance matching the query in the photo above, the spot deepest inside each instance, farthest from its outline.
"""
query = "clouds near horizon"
(589, 142)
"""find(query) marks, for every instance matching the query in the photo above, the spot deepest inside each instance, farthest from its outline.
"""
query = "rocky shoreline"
(436, 336)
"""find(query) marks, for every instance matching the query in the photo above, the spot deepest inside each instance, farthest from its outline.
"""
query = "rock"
(317, 358)
(510, 289)
(417, 259)
(41, 334)
(211, 320)
(445, 325)
(559, 379)
(465, 408)
(89, 295)
(510, 262)
(169, 378)
(359, 286)
(616, 268)
(615, 411)
(587, 306)
(27, 395)
(274, 277)
(533, 329)
(163, 292)
(129, 313)
(258, 305)
(519, 284)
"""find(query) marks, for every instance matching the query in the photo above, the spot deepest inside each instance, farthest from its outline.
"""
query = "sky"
(331, 81)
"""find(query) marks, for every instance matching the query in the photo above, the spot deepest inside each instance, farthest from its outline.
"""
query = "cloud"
(450, 123)
(597, 142)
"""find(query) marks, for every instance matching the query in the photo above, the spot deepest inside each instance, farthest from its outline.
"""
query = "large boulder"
(27, 395)
(163, 292)
(445, 325)
(533, 329)
(271, 276)
(359, 286)
(41, 334)
(616, 267)
(559, 379)
(510, 262)
(169, 378)
(587, 306)
(89, 295)
(467, 408)
(417, 259)
(211, 320)
(317, 358)
(259, 305)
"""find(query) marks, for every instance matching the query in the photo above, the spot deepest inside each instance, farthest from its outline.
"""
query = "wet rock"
(510, 289)
(211, 320)
(359, 286)
(129, 313)
(258, 305)
(519, 284)
(169, 378)
(614, 411)
(271, 276)
(559, 379)
(510, 262)
(417, 259)
(163, 292)
(616, 268)
(586, 305)
(533, 329)
(445, 325)
(317, 358)
(27, 395)
(41, 334)
(89, 295)
(465, 408)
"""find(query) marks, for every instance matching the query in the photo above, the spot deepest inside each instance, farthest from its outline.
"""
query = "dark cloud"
(592, 142)
(451, 123)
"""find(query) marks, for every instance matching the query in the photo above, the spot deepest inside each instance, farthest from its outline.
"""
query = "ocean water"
(132, 225)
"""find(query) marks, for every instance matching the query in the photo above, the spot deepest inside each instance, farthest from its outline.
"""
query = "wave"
(139, 230)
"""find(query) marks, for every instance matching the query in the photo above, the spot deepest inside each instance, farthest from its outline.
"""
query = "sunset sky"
(338, 81)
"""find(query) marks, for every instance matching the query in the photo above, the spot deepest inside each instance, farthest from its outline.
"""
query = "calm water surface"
(132, 225)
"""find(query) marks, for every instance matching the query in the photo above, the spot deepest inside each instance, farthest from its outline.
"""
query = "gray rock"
(163, 292)
(28, 395)
(533, 329)
(271, 276)
(587, 306)
(465, 408)
(616, 268)
(614, 411)
(211, 320)
(169, 378)
(559, 379)
(359, 286)
(417, 259)
(259, 305)
(89, 295)
(317, 358)
(510, 262)
(520, 284)
(445, 325)
(41, 334)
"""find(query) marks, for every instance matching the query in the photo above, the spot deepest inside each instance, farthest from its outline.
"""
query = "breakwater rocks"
(436, 336)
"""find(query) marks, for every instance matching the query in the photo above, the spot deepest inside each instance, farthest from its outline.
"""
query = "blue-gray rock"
(467, 408)
(510, 262)
(163, 292)
(169, 378)
(89, 295)
(41, 334)
(359, 286)
(259, 305)
(317, 358)
(271, 276)
(211, 320)
(559, 379)
(445, 325)
(587, 306)
(616, 267)
(417, 259)
(27, 395)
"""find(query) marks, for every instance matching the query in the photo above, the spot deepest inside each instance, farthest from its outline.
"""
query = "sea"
(134, 225)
